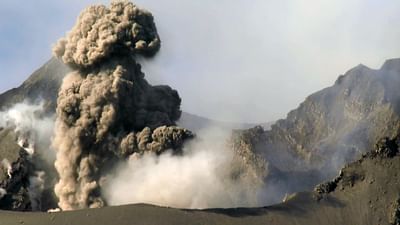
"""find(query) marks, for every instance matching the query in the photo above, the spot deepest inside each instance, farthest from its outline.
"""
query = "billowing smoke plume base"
(208, 175)
(106, 111)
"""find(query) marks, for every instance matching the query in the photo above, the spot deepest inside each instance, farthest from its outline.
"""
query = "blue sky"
(233, 60)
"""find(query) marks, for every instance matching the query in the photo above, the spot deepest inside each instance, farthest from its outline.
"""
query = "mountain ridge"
(332, 127)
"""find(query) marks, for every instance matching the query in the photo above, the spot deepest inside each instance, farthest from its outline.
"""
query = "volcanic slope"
(330, 128)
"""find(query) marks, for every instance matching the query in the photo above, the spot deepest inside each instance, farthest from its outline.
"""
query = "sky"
(230, 60)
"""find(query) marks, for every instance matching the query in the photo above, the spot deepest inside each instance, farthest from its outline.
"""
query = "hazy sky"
(233, 60)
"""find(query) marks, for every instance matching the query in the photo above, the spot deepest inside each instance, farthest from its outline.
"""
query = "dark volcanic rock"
(387, 147)
(17, 197)
(16, 187)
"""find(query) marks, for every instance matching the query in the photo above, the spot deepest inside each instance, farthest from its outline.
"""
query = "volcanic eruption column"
(106, 110)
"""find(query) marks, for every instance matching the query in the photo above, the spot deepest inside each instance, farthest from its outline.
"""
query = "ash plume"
(106, 110)
(102, 33)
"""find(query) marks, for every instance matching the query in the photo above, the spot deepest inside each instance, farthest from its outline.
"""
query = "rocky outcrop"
(16, 185)
(246, 163)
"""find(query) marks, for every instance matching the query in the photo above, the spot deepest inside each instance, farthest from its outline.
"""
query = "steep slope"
(43, 84)
(340, 122)
(329, 129)
(365, 192)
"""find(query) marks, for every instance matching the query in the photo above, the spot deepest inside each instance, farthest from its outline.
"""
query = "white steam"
(7, 166)
(54, 210)
(202, 177)
(28, 146)
(34, 130)
(3, 192)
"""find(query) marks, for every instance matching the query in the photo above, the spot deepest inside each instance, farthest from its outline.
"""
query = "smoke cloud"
(33, 127)
(101, 32)
(7, 166)
(208, 175)
(106, 110)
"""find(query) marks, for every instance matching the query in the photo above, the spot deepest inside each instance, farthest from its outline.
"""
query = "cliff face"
(340, 122)
(330, 128)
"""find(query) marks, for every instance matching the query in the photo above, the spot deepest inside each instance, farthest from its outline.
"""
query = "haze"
(229, 60)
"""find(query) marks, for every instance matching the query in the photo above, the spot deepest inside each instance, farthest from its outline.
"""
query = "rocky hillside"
(338, 123)
(330, 128)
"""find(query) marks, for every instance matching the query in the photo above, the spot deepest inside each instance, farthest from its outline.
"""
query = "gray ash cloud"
(106, 110)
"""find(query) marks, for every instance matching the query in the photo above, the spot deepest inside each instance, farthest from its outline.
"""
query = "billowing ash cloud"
(101, 33)
(208, 175)
(106, 110)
